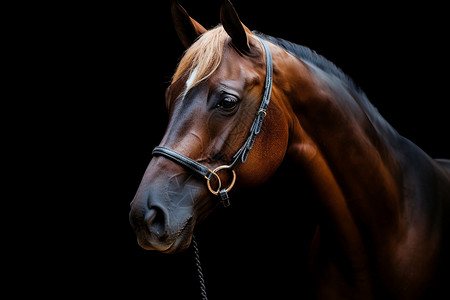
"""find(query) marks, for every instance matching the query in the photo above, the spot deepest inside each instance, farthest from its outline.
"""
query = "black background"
(94, 101)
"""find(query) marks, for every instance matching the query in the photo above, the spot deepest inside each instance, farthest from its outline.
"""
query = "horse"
(240, 103)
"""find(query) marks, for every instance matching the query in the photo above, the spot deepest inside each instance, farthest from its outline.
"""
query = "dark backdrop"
(101, 71)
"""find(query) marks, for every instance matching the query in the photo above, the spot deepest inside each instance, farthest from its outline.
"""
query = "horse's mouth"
(174, 243)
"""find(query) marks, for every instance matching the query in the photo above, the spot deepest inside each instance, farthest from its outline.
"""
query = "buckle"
(262, 111)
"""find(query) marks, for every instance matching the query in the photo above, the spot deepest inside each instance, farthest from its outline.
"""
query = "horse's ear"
(188, 29)
(233, 26)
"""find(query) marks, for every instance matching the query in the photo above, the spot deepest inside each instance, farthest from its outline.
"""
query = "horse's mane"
(305, 54)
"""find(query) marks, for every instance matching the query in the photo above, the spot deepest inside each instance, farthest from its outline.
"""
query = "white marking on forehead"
(190, 80)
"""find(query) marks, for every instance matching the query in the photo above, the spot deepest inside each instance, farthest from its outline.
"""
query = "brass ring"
(232, 180)
(208, 183)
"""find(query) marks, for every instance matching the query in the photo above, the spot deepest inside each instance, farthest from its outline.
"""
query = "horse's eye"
(228, 103)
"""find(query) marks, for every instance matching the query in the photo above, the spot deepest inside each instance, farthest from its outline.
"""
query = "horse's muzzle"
(160, 228)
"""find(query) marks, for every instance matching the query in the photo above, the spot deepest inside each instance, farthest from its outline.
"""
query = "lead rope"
(199, 269)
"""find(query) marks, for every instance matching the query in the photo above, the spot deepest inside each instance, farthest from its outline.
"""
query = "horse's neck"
(335, 139)
(359, 166)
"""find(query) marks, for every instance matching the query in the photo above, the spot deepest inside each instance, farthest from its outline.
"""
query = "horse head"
(213, 103)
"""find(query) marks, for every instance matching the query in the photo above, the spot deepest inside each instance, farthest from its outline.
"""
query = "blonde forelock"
(204, 56)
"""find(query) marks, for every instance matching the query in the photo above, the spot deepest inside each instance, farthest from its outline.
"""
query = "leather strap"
(184, 161)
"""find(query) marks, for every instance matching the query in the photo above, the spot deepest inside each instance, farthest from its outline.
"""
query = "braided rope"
(199, 269)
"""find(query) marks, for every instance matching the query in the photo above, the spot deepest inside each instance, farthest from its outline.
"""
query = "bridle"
(240, 156)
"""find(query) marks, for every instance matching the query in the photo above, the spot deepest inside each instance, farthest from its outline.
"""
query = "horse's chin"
(179, 245)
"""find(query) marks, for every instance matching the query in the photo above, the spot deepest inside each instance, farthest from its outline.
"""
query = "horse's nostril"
(155, 221)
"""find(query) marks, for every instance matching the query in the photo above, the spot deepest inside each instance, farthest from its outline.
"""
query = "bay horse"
(241, 102)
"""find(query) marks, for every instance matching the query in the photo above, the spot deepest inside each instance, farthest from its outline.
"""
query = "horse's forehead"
(235, 65)
(235, 70)
(236, 74)
(190, 80)
(238, 69)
